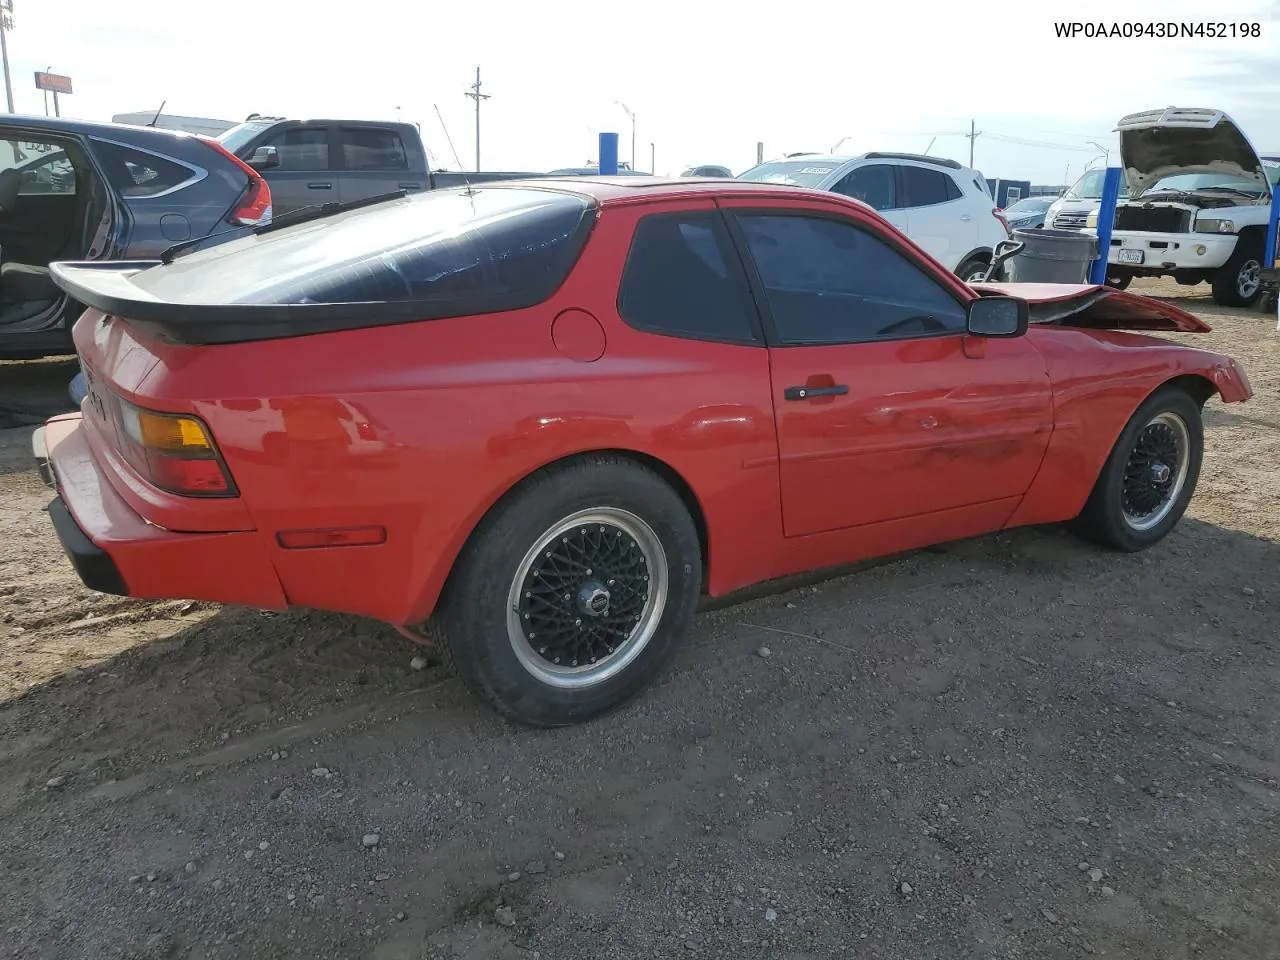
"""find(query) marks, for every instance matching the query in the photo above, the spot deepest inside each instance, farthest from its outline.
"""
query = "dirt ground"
(1013, 747)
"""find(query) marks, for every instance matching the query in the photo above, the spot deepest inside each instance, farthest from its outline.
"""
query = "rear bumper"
(116, 551)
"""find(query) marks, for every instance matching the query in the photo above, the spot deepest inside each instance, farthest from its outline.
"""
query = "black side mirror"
(265, 158)
(996, 317)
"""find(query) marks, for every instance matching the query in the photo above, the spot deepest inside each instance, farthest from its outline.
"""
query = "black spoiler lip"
(108, 286)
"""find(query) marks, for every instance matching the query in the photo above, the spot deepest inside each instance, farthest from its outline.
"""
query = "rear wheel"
(973, 270)
(1147, 482)
(1238, 282)
(574, 593)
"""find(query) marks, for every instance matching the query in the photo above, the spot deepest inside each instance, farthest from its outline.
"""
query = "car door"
(885, 408)
(375, 160)
(876, 185)
(941, 221)
(306, 174)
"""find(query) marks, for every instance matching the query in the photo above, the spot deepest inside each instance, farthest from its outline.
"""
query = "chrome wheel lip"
(590, 675)
(1249, 279)
(1182, 440)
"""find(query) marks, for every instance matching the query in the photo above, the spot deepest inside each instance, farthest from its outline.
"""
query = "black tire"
(1105, 518)
(971, 267)
(1120, 282)
(1238, 282)
(491, 650)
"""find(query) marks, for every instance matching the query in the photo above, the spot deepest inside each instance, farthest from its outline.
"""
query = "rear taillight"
(254, 205)
(173, 452)
(999, 215)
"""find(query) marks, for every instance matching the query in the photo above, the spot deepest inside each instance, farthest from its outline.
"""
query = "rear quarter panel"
(1100, 377)
(422, 427)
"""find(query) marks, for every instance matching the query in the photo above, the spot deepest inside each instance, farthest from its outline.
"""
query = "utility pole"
(653, 159)
(973, 134)
(475, 94)
(6, 24)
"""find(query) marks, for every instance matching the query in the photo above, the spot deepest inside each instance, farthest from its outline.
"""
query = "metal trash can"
(1052, 256)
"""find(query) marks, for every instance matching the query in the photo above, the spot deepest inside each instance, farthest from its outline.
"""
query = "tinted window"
(302, 149)
(677, 280)
(831, 282)
(136, 173)
(923, 188)
(494, 246)
(368, 148)
(873, 185)
(953, 188)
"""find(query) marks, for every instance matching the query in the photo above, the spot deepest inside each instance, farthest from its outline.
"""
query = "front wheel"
(1238, 282)
(574, 593)
(1148, 480)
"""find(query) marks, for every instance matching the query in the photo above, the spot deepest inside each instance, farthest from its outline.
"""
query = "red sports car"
(536, 420)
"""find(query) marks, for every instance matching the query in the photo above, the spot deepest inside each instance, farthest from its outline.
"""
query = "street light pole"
(6, 24)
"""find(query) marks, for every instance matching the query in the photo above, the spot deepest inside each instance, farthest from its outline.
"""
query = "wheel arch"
(428, 597)
(1200, 387)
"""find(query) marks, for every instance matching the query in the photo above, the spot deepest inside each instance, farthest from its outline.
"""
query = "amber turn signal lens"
(172, 434)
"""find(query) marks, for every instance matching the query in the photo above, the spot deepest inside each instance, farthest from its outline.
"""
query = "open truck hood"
(1160, 143)
(1097, 308)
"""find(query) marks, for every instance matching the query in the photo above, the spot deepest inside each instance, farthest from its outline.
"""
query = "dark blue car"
(71, 190)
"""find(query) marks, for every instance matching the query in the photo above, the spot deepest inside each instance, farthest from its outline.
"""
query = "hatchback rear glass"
(477, 246)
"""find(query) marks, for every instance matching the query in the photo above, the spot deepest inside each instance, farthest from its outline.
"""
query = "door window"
(924, 188)
(678, 280)
(371, 148)
(302, 149)
(42, 166)
(828, 281)
(872, 184)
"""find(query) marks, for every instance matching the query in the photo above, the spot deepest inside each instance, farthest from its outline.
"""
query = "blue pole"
(608, 154)
(1106, 220)
(1269, 256)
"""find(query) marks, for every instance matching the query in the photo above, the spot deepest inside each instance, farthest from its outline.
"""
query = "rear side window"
(923, 188)
(137, 173)
(454, 252)
(953, 188)
(370, 148)
(678, 280)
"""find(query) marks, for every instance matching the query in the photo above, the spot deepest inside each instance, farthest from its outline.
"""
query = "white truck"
(1198, 206)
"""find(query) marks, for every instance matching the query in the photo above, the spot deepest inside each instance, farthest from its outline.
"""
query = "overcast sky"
(706, 81)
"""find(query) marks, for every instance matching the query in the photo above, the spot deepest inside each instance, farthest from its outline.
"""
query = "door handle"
(805, 393)
(409, 186)
(319, 186)
(965, 218)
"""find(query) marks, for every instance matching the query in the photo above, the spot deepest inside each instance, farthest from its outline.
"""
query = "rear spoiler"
(108, 286)
(1095, 307)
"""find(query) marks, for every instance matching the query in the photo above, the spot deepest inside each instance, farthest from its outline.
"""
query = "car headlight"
(1211, 225)
(1091, 221)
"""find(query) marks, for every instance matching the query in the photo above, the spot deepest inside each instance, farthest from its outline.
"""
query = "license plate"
(95, 401)
(1130, 255)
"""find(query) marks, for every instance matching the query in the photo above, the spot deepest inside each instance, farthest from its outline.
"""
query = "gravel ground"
(1014, 747)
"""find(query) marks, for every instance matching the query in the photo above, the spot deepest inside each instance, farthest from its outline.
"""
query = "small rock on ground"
(371, 840)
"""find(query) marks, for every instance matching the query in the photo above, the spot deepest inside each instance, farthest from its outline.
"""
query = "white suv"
(1199, 201)
(945, 208)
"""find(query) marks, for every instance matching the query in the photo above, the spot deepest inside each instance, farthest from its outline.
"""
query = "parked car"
(580, 404)
(96, 191)
(590, 171)
(312, 162)
(1071, 210)
(1200, 202)
(707, 170)
(1029, 212)
(942, 206)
